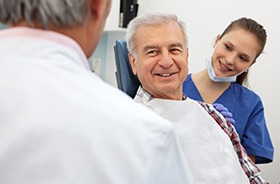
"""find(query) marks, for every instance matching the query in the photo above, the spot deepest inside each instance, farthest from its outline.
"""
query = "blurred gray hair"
(150, 19)
(45, 12)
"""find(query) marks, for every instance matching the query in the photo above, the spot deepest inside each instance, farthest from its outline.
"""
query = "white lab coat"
(207, 147)
(61, 124)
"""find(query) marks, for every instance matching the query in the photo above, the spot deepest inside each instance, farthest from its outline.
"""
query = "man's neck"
(179, 96)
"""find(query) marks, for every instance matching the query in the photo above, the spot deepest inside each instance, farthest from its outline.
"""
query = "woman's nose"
(230, 58)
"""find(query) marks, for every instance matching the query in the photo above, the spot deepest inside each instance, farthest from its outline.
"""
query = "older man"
(159, 57)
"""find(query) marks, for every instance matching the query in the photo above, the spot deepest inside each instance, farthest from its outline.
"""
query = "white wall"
(205, 19)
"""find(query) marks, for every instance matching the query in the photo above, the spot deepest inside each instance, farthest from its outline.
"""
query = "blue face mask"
(215, 78)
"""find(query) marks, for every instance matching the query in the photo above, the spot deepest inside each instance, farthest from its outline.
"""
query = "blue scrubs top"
(248, 112)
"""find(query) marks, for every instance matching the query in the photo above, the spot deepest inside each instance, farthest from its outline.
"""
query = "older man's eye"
(176, 50)
(152, 52)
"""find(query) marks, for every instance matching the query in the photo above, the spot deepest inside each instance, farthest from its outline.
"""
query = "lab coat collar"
(46, 35)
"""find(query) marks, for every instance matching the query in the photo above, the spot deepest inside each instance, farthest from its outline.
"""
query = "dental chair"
(126, 80)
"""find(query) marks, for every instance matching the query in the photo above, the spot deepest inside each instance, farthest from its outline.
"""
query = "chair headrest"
(126, 80)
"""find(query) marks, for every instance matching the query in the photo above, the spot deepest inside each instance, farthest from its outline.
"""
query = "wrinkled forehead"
(170, 33)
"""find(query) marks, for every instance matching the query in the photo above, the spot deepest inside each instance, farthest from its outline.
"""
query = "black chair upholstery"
(126, 80)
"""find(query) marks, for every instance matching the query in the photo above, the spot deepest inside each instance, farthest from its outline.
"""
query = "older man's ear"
(132, 61)
(100, 8)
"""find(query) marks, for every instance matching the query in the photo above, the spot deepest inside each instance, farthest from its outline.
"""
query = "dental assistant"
(224, 81)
